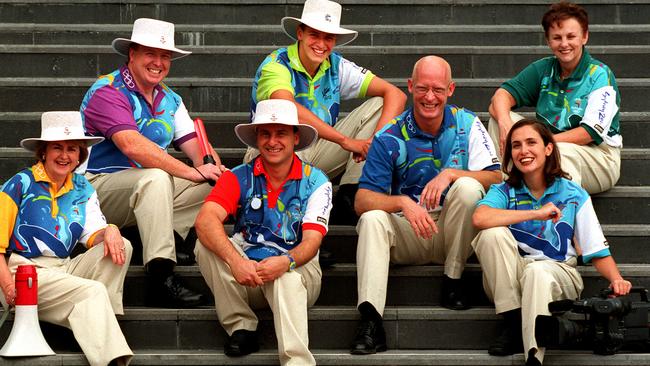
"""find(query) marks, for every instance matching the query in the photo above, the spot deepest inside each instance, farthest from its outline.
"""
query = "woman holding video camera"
(533, 227)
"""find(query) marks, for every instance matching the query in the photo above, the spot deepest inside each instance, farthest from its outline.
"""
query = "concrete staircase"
(51, 52)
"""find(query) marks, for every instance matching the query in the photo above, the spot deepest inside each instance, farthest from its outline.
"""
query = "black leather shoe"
(241, 343)
(510, 340)
(370, 338)
(453, 294)
(172, 293)
(532, 360)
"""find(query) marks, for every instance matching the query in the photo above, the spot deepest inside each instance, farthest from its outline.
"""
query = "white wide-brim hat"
(60, 126)
(151, 33)
(322, 15)
(276, 111)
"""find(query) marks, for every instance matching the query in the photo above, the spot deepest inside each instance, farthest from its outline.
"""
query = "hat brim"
(343, 36)
(121, 46)
(247, 134)
(31, 144)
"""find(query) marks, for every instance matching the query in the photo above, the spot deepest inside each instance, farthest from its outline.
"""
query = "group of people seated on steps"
(425, 182)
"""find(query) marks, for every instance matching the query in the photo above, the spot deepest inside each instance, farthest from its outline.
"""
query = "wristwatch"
(292, 262)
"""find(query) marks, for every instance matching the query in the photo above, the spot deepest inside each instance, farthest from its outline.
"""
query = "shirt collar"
(40, 175)
(130, 84)
(294, 59)
(552, 189)
(295, 173)
(580, 70)
(412, 128)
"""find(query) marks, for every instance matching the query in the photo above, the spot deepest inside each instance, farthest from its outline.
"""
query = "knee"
(536, 274)
(155, 177)
(373, 218)
(466, 191)
(488, 240)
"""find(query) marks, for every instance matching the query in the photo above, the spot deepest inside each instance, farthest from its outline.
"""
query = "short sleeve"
(377, 172)
(318, 210)
(589, 234)
(600, 112)
(274, 76)
(496, 197)
(525, 87)
(107, 112)
(354, 80)
(95, 220)
(183, 125)
(482, 154)
(226, 193)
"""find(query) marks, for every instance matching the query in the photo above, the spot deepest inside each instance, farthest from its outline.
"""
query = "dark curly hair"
(564, 10)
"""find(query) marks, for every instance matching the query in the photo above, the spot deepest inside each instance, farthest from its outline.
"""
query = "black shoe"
(172, 293)
(241, 343)
(453, 294)
(343, 206)
(510, 340)
(370, 338)
(532, 360)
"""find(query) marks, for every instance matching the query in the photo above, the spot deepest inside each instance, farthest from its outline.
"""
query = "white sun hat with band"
(322, 15)
(60, 126)
(151, 33)
(276, 111)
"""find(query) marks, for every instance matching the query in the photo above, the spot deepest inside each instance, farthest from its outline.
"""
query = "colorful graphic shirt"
(114, 104)
(578, 231)
(271, 221)
(402, 158)
(37, 220)
(337, 79)
(589, 97)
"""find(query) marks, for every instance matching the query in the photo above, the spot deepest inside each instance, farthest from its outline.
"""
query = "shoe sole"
(381, 348)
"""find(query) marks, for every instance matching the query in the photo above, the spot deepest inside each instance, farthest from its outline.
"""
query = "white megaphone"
(26, 338)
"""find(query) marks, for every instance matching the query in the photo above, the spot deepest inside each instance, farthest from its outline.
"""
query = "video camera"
(608, 325)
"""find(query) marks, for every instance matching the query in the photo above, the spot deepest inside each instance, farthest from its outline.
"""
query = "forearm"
(485, 177)
(367, 200)
(607, 268)
(501, 105)
(212, 234)
(578, 136)
(486, 217)
(307, 249)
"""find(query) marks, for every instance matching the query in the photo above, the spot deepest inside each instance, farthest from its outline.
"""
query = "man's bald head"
(432, 64)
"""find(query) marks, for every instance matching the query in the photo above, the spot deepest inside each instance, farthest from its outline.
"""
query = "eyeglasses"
(423, 90)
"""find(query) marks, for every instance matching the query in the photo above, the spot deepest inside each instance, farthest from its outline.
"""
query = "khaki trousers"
(84, 294)
(289, 296)
(389, 238)
(330, 157)
(513, 282)
(154, 200)
(595, 167)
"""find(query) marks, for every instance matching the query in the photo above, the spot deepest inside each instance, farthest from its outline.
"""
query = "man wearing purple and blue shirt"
(136, 180)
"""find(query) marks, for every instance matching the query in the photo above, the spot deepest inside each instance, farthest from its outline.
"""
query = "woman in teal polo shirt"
(575, 95)
(533, 227)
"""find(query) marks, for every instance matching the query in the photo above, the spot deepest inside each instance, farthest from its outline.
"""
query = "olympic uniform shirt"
(37, 219)
(337, 79)
(577, 232)
(115, 104)
(402, 158)
(271, 221)
(589, 97)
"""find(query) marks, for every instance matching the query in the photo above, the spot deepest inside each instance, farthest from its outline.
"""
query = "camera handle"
(642, 291)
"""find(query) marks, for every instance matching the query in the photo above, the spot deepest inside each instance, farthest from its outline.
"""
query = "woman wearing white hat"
(317, 79)
(45, 211)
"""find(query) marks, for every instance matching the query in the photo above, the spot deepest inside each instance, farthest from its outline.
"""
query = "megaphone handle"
(208, 159)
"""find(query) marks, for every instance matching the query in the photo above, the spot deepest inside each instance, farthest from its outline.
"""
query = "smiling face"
(566, 39)
(276, 143)
(529, 153)
(430, 86)
(314, 47)
(61, 158)
(149, 66)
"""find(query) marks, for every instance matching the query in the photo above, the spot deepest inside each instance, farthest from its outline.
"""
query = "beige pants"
(330, 157)
(154, 200)
(595, 167)
(513, 282)
(289, 296)
(84, 294)
(389, 238)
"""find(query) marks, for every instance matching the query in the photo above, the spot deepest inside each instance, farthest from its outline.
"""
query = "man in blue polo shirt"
(136, 180)
(281, 206)
(317, 79)
(424, 174)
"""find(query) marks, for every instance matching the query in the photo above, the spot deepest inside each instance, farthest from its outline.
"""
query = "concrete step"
(407, 285)
(635, 126)
(233, 94)
(237, 61)
(342, 357)
(270, 11)
(635, 162)
(369, 35)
